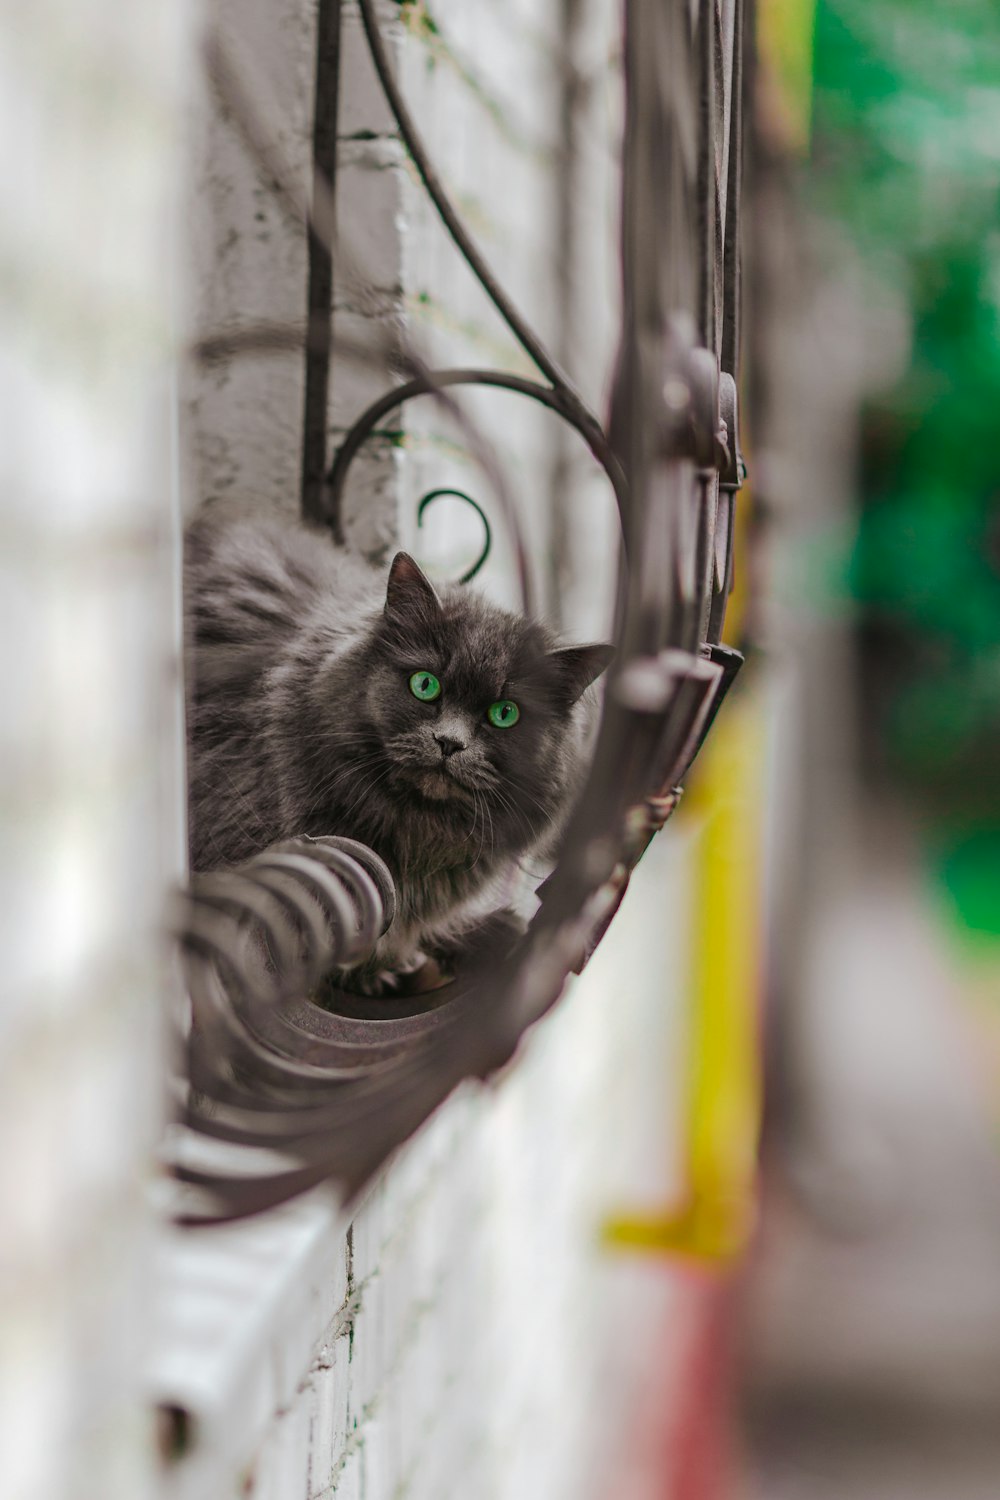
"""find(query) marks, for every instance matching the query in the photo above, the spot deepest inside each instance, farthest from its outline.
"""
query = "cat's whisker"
(486, 818)
(475, 819)
(366, 791)
(545, 810)
(507, 805)
(346, 774)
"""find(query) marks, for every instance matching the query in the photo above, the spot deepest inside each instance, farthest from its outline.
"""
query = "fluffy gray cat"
(444, 732)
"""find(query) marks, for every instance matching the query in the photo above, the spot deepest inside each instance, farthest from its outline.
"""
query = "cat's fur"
(301, 720)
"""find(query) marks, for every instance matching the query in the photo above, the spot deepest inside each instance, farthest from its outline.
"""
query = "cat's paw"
(410, 976)
(369, 982)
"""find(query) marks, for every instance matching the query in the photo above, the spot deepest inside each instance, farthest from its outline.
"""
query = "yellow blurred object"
(785, 31)
(724, 1076)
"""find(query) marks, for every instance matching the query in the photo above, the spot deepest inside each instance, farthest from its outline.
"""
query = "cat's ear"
(578, 666)
(409, 592)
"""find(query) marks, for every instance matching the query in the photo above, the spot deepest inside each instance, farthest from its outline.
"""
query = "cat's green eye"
(425, 686)
(504, 714)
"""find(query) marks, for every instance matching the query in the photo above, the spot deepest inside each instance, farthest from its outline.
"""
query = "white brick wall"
(90, 109)
(487, 1345)
(467, 1337)
(246, 262)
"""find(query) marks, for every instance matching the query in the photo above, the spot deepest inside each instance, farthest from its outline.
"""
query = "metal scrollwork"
(334, 1091)
(440, 494)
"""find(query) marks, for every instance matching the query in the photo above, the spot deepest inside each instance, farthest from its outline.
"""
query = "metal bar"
(436, 380)
(732, 257)
(519, 327)
(320, 288)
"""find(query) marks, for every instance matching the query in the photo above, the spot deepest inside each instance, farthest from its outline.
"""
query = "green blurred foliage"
(906, 155)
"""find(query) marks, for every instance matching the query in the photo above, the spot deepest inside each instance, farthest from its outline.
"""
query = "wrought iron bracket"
(334, 1090)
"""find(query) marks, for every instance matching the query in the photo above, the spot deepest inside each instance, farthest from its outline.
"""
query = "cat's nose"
(448, 745)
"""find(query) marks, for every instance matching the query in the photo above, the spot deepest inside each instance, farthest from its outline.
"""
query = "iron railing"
(333, 1092)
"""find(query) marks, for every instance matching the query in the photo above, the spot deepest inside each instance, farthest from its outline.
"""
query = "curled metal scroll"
(271, 928)
(334, 1090)
(441, 493)
(555, 398)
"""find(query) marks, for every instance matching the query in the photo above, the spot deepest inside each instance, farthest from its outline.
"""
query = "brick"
(331, 1387)
(356, 382)
(371, 187)
(364, 110)
(281, 1471)
(349, 1480)
(371, 501)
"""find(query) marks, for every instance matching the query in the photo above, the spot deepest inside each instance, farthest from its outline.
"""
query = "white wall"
(468, 1336)
(90, 106)
(489, 1345)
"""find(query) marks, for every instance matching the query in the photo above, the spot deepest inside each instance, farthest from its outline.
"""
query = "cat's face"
(472, 704)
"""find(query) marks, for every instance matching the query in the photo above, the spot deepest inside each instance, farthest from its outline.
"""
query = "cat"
(444, 732)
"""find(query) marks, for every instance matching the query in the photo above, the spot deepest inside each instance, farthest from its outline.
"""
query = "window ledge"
(241, 1311)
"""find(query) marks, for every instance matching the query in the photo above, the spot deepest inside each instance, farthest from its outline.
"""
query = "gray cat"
(444, 732)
